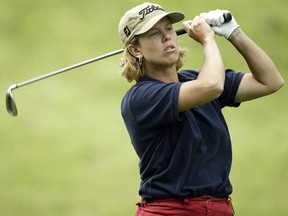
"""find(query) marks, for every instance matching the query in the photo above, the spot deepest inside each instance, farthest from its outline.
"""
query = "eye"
(154, 33)
(169, 28)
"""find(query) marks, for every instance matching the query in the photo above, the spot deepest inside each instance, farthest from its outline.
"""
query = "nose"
(167, 36)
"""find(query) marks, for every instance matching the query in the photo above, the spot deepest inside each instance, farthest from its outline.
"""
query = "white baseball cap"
(142, 18)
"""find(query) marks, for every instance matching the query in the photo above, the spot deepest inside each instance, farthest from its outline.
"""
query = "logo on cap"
(149, 9)
(127, 31)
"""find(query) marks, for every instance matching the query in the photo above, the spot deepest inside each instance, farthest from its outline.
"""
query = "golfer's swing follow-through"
(174, 117)
(10, 101)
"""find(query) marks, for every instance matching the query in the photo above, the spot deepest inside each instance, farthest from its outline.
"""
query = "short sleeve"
(232, 82)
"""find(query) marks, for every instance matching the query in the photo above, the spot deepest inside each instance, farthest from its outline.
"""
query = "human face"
(159, 46)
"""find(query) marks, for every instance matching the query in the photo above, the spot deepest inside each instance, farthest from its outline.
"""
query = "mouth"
(170, 48)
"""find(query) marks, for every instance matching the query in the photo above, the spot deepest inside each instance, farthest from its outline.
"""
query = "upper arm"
(250, 89)
(197, 92)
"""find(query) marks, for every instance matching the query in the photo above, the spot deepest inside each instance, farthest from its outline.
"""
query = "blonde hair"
(132, 70)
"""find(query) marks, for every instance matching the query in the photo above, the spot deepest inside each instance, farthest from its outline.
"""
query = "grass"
(68, 152)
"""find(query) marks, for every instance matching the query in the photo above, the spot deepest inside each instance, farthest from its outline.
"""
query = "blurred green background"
(67, 153)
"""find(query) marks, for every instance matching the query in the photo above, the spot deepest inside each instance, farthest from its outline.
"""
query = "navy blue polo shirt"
(185, 154)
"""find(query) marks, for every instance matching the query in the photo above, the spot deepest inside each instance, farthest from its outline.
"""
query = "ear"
(134, 51)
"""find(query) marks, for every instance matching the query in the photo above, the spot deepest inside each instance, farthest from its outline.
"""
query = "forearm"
(260, 64)
(210, 82)
(212, 70)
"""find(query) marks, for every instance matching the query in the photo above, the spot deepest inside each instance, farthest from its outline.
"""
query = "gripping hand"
(216, 20)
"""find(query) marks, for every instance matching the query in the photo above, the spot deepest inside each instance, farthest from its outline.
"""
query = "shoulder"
(149, 91)
(233, 78)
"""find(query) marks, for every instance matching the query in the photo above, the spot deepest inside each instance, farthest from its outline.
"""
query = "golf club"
(10, 101)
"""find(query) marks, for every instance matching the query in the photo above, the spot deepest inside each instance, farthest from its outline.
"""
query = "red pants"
(202, 206)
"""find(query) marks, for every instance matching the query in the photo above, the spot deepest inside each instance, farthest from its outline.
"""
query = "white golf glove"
(216, 20)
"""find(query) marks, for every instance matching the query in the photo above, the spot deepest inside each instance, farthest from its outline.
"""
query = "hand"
(216, 20)
(198, 29)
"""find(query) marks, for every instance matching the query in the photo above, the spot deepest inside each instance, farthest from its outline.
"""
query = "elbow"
(277, 85)
(218, 91)
(215, 88)
(280, 85)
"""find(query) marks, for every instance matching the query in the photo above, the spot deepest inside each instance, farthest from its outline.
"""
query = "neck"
(166, 75)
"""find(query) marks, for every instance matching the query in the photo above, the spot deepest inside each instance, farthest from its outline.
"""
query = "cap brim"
(174, 17)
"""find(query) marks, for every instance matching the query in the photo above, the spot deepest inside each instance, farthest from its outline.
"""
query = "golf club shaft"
(53, 73)
(68, 68)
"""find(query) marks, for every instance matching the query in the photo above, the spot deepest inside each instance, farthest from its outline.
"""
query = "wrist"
(234, 33)
(209, 39)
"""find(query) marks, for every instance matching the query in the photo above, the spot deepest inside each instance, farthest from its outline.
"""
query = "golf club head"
(10, 102)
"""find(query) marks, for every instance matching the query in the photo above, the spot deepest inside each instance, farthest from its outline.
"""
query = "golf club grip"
(227, 18)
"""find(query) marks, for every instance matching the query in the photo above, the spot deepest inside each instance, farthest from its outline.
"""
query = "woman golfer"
(174, 116)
